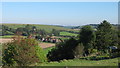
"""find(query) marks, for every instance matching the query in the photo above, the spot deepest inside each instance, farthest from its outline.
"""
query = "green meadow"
(7, 36)
(81, 62)
(68, 34)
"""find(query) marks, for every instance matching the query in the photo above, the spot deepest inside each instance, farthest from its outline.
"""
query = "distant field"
(67, 34)
(47, 28)
(46, 45)
(7, 36)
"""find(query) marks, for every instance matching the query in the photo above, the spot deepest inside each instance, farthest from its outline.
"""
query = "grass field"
(67, 34)
(7, 36)
(47, 28)
(81, 62)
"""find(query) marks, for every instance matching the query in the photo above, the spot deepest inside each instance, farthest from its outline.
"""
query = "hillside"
(47, 28)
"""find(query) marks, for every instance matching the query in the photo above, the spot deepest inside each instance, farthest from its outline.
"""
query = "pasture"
(68, 34)
(81, 62)
(7, 36)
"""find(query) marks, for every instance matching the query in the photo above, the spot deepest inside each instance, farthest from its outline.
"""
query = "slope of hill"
(47, 28)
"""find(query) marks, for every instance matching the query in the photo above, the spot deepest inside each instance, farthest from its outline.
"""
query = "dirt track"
(42, 45)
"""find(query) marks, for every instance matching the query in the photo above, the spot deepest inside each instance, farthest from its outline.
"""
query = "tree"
(55, 32)
(87, 37)
(64, 50)
(104, 36)
(20, 29)
(6, 30)
(42, 32)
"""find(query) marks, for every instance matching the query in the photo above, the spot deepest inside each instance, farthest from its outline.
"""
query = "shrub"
(66, 50)
(8, 58)
(40, 54)
(22, 52)
(79, 50)
(96, 57)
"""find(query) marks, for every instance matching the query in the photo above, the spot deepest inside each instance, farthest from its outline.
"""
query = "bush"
(66, 50)
(40, 54)
(114, 55)
(22, 52)
(79, 50)
(96, 57)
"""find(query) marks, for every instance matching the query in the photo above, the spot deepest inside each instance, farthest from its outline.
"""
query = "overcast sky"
(59, 13)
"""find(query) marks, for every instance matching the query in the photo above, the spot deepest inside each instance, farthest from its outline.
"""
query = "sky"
(59, 13)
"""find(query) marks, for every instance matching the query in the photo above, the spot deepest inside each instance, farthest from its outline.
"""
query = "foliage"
(27, 30)
(41, 32)
(79, 50)
(7, 31)
(104, 36)
(40, 53)
(66, 50)
(87, 37)
(55, 32)
(96, 57)
(46, 50)
(8, 54)
(118, 33)
(22, 52)
(38, 37)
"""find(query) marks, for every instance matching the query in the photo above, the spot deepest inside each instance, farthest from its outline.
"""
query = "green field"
(47, 28)
(7, 36)
(68, 34)
(81, 62)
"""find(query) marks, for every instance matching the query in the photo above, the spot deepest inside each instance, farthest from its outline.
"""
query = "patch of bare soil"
(42, 45)
(5, 40)
(46, 45)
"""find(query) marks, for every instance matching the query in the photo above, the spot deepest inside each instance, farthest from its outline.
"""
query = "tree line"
(28, 30)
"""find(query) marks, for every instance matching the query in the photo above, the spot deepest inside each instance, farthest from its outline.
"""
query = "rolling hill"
(47, 28)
